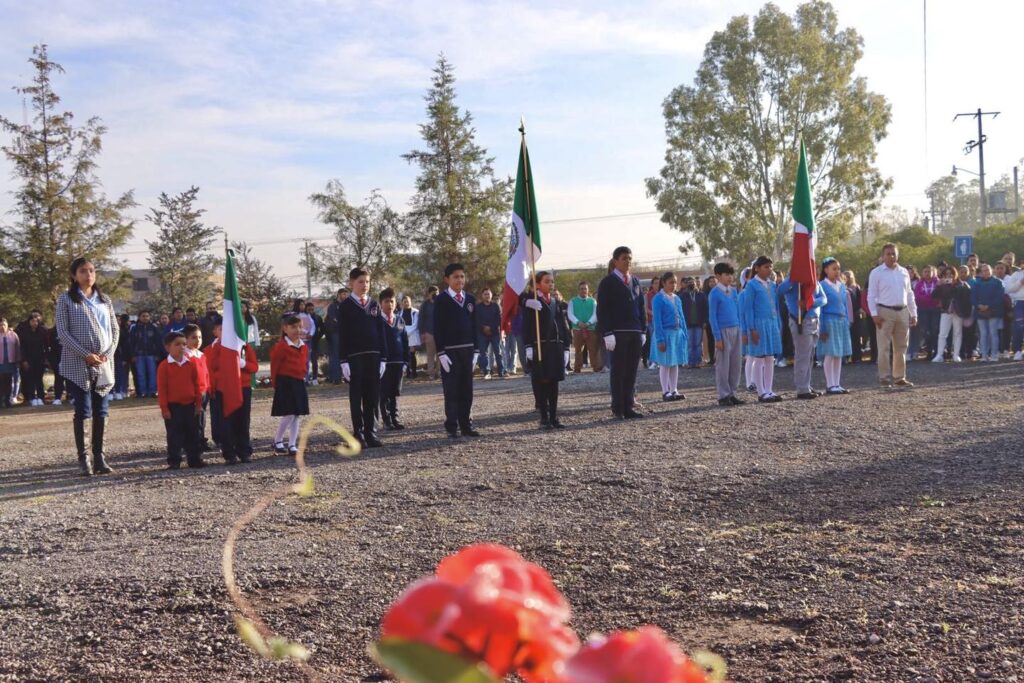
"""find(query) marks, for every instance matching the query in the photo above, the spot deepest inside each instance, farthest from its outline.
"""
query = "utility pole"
(309, 280)
(1016, 194)
(980, 144)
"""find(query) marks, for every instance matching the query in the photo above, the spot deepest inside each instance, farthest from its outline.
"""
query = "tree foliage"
(260, 286)
(369, 236)
(958, 200)
(460, 210)
(734, 135)
(182, 255)
(60, 210)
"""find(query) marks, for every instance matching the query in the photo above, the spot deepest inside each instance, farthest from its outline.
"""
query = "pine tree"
(60, 210)
(460, 210)
(182, 255)
(258, 285)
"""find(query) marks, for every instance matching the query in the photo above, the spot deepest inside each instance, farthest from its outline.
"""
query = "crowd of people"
(745, 324)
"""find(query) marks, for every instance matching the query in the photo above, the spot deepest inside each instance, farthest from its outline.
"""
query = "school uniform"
(202, 366)
(397, 351)
(622, 315)
(695, 310)
(455, 336)
(231, 432)
(177, 385)
(724, 318)
(288, 362)
(835, 321)
(668, 328)
(804, 331)
(363, 350)
(550, 354)
(759, 311)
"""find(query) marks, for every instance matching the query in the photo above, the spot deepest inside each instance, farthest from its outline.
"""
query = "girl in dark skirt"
(547, 365)
(288, 361)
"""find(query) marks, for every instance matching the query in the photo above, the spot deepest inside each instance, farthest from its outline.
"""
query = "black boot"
(553, 406)
(83, 454)
(393, 410)
(99, 464)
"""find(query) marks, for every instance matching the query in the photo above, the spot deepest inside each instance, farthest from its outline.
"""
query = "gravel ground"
(872, 537)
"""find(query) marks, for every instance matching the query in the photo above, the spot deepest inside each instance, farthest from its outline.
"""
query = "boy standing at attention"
(455, 335)
(194, 341)
(177, 381)
(724, 317)
(397, 344)
(363, 356)
(231, 431)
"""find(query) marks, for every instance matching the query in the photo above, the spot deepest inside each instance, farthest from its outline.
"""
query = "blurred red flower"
(642, 656)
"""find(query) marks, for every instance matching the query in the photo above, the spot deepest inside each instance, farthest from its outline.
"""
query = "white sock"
(663, 377)
(748, 370)
(294, 439)
(837, 370)
(768, 371)
(282, 427)
(757, 372)
(673, 379)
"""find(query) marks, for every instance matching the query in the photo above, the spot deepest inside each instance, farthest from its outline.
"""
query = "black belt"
(892, 308)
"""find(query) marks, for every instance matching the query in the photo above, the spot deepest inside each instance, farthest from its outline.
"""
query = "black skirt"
(552, 367)
(290, 397)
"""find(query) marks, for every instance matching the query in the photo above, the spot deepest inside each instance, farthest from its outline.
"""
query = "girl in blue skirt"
(668, 332)
(834, 338)
(759, 312)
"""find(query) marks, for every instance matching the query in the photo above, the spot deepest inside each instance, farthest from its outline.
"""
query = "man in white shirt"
(892, 308)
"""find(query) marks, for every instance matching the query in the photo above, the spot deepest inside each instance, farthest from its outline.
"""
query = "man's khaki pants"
(895, 330)
(589, 339)
(430, 348)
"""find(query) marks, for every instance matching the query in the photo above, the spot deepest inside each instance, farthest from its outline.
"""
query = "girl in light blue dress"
(834, 339)
(668, 331)
(760, 324)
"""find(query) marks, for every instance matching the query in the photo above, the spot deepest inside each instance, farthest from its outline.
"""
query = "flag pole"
(529, 222)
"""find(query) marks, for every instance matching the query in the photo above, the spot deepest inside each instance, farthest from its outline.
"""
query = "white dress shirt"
(890, 287)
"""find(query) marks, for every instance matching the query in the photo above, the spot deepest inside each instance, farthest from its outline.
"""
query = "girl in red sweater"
(288, 361)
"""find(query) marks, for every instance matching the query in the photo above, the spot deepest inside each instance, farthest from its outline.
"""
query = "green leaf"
(414, 662)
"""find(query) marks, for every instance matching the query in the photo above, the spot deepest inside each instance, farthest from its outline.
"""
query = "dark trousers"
(364, 392)
(970, 343)
(32, 381)
(88, 404)
(458, 390)
(625, 359)
(216, 417)
(333, 361)
(545, 397)
(856, 345)
(182, 434)
(390, 390)
(6, 383)
(233, 429)
(201, 421)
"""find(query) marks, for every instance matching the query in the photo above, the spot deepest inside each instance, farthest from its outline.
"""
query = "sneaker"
(937, 359)
(55, 402)
(487, 376)
(958, 359)
(315, 382)
(1019, 355)
(905, 383)
(781, 363)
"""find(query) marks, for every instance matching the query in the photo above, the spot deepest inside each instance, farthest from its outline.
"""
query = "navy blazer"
(620, 307)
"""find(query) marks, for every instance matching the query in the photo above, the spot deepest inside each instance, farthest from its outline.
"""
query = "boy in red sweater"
(177, 383)
(233, 429)
(194, 339)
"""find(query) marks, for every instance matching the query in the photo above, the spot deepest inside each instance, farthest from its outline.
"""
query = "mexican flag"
(233, 334)
(524, 240)
(805, 237)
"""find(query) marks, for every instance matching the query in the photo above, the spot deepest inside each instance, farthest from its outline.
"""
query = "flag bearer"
(547, 363)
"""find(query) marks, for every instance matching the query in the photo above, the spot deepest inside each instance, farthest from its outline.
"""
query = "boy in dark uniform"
(621, 320)
(397, 352)
(362, 352)
(547, 370)
(455, 335)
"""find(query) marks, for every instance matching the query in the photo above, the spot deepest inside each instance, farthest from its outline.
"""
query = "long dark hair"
(74, 293)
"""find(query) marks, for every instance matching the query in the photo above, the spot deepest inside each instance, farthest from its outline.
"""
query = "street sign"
(963, 245)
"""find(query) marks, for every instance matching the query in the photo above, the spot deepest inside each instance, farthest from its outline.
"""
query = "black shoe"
(373, 442)
(667, 398)
(557, 424)
(197, 463)
(545, 423)
(470, 432)
(678, 396)
(768, 398)
(293, 451)
(725, 402)
(617, 416)
(453, 435)
(174, 465)
(633, 415)
(245, 457)
(230, 460)
(751, 387)
(806, 396)
(280, 448)
(736, 401)
(395, 424)
(817, 393)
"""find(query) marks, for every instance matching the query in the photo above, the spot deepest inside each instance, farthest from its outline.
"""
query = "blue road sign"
(963, 245)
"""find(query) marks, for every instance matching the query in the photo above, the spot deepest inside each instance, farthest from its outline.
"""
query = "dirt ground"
(872, 537)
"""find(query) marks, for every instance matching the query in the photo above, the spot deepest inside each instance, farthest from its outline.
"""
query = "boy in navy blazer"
(621, 320)
(455, 335)
(363, 354)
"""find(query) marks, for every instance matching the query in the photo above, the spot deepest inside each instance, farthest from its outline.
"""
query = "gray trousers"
(728, 363)
(803, 353)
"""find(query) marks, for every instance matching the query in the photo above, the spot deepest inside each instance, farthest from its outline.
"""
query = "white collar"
(184, 359)
(452, 293)
(724, 288)
(622, 276)
(761, 280)
(298, 345)
(193, 353)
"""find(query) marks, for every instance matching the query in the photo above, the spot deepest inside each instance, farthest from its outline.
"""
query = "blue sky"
(260, 103)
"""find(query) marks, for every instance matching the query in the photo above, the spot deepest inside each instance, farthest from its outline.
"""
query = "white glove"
(529, 353)
(643, 339)
(383, 367)
(609, 342)
(346, 371)
(445, 361)
(565, 358)
(241, 362)
(534, 304)
(476, 357)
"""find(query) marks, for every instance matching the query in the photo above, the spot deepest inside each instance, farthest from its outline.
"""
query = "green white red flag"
(524, 240)
(234, 332)
(802, 270)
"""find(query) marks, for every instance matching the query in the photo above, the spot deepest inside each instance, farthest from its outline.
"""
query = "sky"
(260, 103)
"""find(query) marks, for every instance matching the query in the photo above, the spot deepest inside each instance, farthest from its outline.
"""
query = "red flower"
(642, 656)
(487, 604)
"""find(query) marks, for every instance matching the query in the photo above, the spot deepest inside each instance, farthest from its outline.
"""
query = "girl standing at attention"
(288, 364)
(759, 309)
(669, 343)
(834, 338)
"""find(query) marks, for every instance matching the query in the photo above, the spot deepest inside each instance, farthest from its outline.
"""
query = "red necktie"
(458, 298)
(625, 278)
